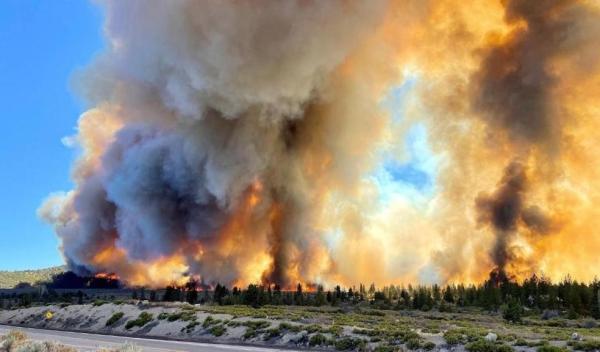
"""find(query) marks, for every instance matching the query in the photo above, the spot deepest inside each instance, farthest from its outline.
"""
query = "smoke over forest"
(241, 142)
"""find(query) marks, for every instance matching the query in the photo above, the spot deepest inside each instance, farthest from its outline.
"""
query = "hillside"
(9, 279)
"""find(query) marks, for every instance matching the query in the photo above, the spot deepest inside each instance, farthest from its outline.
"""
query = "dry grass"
(17, 341)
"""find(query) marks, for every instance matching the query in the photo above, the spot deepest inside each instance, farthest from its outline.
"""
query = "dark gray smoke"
(513, 92)
(503, 209)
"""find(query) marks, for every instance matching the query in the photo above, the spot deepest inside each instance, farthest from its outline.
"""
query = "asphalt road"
(92, 342)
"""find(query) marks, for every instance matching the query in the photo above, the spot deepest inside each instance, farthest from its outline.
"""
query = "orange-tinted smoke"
(248, 143)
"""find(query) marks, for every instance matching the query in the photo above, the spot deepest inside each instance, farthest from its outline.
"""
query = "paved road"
(92, 342)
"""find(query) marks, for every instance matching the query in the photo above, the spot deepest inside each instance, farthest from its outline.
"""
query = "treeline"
(70, 280)
(535, 293)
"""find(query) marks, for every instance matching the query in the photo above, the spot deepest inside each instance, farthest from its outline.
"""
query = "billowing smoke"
(207, 150)
(505, 211)
(237, 141)
(514, 94)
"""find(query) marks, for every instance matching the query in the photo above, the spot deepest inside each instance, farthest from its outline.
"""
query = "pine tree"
(320, 297)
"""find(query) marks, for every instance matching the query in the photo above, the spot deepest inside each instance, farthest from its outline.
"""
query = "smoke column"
(237, 141)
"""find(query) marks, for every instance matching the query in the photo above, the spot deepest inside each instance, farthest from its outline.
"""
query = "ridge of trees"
(534, 293)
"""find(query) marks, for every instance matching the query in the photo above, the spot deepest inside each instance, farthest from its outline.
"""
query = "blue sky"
(41, 44)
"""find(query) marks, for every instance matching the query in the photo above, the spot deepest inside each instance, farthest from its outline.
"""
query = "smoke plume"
(238, 142)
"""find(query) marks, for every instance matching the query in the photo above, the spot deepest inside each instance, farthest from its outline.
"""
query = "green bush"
(210, 321)
(313, 328)
(348, 343)
(250, 333)
(99, 302)
(163, 316)
(428, 346)
(257, 324)
(272, 333)
(114, 318)
(174, 317)
(187, 315)
(487, 346)
(549, 348)
(520, 342)
(191, 326)
(385, 349)
(142, 319)
(290, 327)
(513, 311)
(454, 337)
(590, 345)
(413, 343)
(317, 340)
(218, 330)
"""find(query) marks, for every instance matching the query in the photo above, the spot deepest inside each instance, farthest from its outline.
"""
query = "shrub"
(218, 330)
(114, 318)
(334, 330)
(142, 319)
(174, 316)
(15, 335)
(250, 333)
(504, 348)
(590, 345)
(11, 339)
(487, 346)
(317, 340)
(290, 327)
(385, 349)
(513, 311)
(313, 328)
(348, 343)
(520, 342)
(209, 321)
(428, 346)
(549, 348)
(272, 333)
(257, 324)
(454, 337)
(445, 307)
(99, 302)
(186, 315)
(36, 346)
(190, 326)
(413, 343)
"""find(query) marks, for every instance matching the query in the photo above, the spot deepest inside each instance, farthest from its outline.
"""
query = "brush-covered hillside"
(9, 279)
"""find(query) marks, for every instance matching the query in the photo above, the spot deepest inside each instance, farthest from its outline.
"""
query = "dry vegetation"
(17, 341)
